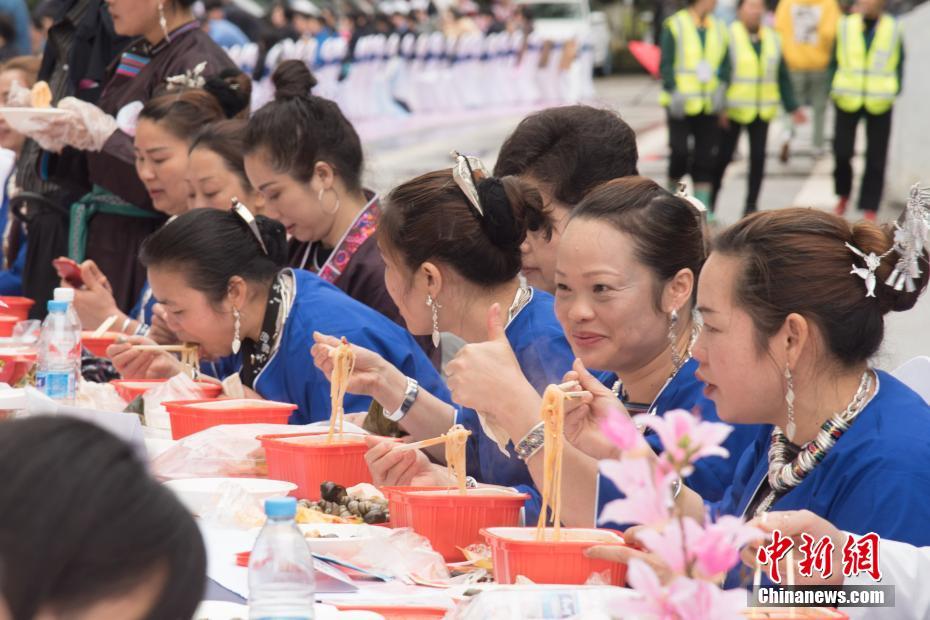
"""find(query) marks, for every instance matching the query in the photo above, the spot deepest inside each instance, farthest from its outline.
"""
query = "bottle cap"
(63, 293)
(281, 507)
(57, 306)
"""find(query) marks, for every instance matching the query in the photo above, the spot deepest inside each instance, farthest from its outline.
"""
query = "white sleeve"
(905, 567)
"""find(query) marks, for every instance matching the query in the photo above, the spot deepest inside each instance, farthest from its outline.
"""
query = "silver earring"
(673, 338)
(789, 400)
(162, 21)
(435, 307)
(236, 343)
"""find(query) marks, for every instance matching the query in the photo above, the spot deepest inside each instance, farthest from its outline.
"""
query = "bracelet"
(410, 396)
(532, 442)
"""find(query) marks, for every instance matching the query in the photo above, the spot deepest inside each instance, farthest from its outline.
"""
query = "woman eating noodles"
(451, 245)
(625, 304)
(220, 277)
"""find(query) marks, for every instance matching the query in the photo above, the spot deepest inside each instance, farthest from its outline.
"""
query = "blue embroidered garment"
(874, 479)
(290, 375)
(545, 356)
(712, 475)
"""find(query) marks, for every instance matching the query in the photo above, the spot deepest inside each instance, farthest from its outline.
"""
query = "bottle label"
(57, 385)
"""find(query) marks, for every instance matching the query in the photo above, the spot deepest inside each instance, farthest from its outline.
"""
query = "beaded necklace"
(784, 475)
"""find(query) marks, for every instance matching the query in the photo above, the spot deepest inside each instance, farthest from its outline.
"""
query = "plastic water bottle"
(282, 583)
(59, 354)
(64, 293)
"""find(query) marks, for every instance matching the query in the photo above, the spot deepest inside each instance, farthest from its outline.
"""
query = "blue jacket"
(290, 375)
(545, 356)
(876, 478)
(711, 475)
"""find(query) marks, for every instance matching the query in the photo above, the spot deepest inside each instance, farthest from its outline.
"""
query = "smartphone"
(69, 271)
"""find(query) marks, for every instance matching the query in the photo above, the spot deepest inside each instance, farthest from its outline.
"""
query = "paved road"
(399, 150)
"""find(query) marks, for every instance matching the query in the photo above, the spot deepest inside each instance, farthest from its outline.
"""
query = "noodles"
(456, 440)
(343, 364)
(553, 417)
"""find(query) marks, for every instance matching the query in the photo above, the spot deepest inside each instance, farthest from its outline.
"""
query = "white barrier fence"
(433, 74)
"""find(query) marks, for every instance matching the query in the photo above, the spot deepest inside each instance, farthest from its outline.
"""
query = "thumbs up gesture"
(486, 376)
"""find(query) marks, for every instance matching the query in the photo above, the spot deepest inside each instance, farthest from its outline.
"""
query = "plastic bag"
(27, 332)
(235, 507)
(401, 553)
(178, 387)
(230, 450)
(99, 396)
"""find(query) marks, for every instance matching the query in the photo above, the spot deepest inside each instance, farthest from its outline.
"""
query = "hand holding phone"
(69, 271)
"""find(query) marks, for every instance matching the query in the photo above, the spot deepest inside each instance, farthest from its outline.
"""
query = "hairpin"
(464, 174)
(246, 216)
(695, 202)
(867, 273)
(192, 78)
(910, 238)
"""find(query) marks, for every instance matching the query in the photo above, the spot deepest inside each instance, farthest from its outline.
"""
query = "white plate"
(26, 120)
(351, 539)
(201, 494)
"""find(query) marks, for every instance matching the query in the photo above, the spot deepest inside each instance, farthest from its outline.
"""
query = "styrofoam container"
(201, 494)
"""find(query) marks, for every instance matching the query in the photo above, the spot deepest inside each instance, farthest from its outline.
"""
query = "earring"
(789, 400)
(320, 198)
(162, 21)
(435, 307)
(673, 338)
(236, 343)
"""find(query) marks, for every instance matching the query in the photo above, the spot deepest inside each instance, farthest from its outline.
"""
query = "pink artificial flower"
(668, 543)
(717, 548)
(657, 601)
(686, 437)
(647, 492)
(706, 601)
(620, 429)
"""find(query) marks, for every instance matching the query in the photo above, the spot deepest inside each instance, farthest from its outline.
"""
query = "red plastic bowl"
(307, 461)
(397, 507)
(394, 612)
(98, 346)
(7, 323)
(192, 416)
(450, 520)
(17, 306)
(515, 551)
(15, 364)
(130, 389)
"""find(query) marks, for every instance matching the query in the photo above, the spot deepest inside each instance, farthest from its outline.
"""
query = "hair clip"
(695, 202)
(867, 273)
(464, 174)
(912, 231)
(246, 216)
(192, 78)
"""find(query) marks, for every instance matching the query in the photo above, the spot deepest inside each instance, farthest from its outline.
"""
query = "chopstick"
(171, 348)
(107, 323)
(426, 443)
(572, 395)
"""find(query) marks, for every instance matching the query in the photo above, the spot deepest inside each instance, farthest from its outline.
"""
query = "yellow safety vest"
(754, 85)
(696, 65)
(864, 78)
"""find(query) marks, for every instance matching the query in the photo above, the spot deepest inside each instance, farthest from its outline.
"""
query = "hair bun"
(499, 221)
(232, 89)
(292, 79)
(872, 238)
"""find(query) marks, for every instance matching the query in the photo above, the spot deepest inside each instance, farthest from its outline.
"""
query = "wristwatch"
(531, 443)
(410, 396)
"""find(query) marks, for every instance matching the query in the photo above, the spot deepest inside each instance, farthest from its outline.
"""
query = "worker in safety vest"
(759, 85)
(694, 51)
(867, 68)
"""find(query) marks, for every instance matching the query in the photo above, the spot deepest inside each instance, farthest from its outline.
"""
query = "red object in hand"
(69, 271)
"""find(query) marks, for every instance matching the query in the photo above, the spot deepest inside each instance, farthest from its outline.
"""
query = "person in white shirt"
(902, 565)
